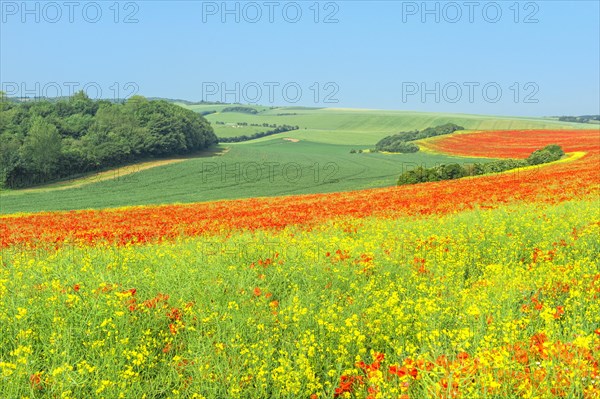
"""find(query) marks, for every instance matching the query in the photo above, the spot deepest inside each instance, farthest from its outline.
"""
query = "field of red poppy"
(514, 143)
(546, 183)
(483, 287)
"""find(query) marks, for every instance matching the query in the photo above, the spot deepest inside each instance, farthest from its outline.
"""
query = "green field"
(234, 130)
(363, 128)
(319, 162)
(266, 168)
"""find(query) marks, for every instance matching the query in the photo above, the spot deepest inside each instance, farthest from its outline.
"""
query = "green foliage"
(244, 110)
(257, 135)
(580, 119)
(414, 176)
(503, 165)
(399, 142)
(42, 141)
(10, 161)
(42, 147)
(547, 154)
(403, 147)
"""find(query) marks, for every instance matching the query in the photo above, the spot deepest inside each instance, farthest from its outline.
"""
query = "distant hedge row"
(452, 171)
(245, 137)
(244, 110)
(580, 119)
(400, 142)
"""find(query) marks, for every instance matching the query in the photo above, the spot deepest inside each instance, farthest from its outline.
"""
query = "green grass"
(234, 130)
(321, 159)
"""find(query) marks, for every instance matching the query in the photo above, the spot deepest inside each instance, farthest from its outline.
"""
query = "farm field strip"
(551, 183)
(366, 127)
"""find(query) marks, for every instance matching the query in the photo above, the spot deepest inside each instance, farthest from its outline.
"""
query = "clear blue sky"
(544, 56)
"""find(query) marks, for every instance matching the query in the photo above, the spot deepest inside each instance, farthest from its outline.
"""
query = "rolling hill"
(314, 159)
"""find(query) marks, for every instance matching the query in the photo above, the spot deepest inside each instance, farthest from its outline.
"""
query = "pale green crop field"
(363, 128)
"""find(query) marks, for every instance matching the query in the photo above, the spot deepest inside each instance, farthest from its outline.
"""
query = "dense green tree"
(400, 142)
(451, 171)
(547, 154)
(41, 148)
(10, 161)
(75, 125)
(45, 140)
(276, 129)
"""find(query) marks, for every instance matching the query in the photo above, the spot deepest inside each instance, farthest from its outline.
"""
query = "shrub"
(400, 142)
(453, 171)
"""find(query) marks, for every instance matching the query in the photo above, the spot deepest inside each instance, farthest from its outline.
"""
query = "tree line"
(41, 141)
(580, 119)
(257, 135)
(452, 171)
(401, 142)
(240, 109)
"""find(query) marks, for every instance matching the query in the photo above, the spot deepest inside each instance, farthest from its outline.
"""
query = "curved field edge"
(188, 183)
(568, 157)
(120, 172)
(323, 168)
(511, 143)
(124, 171)
(481, 298)
(553, 184)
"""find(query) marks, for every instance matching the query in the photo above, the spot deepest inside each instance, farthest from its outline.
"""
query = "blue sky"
(505, 58)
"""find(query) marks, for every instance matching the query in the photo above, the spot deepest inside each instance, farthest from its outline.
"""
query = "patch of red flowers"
(515, 143)
(347, 384)
(35, 381)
